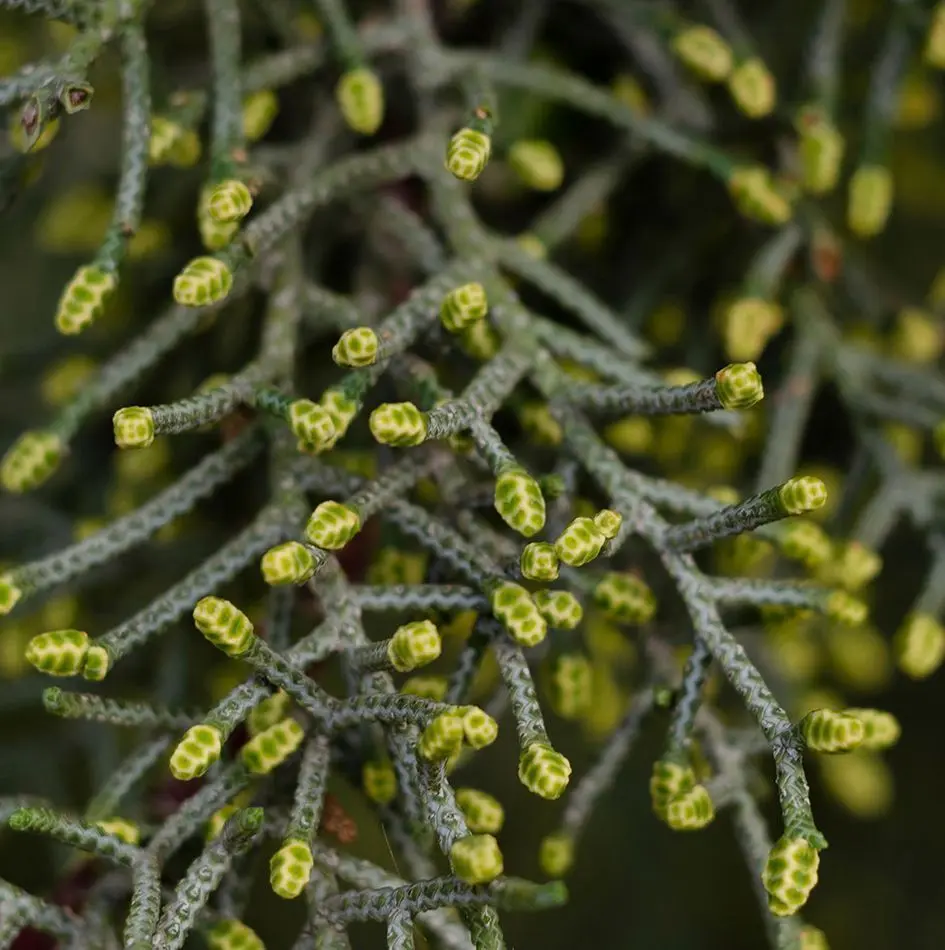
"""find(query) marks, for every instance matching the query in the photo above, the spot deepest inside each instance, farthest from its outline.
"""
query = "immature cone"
(479, 728)
(756, 196)
(881, 730)
(463, 307)
(537, 163)
(270, 711)
(556, 854)
(544, 771)
(398, 423)
(476, 859)
(356, 347)
(342, 411)
(10, 594)
(312, 424)
(920, 646)
(224, 625)
(230, 201)
(164, 136)
(752, 87)
(790, 875)
(802, 494)
(271, 747)
(332, 525)
(738, 386)
(467, 154)
(97, 663)
(821, 149)
(59, 652)
(360, 97)
(845, 609)
(515, 609)
(172, 144)
(690, 811)
(133, 427)
(200, 747)
(204, 281)
(704, 52)
(580, 542)
(519, 501)
(288, 563)
(214, 234)
(831, 732)
(669, 781)
(854, 565)
(870, 200)
(560, 608)
(480, 340)
(30, 461)
(625, 598)
(747, 325)
(442, 737)
(608, 522)
(259, 112)
(804, 541)
(539, 562)
(232, 935)
(570, 685)
(413, 645)
(290, 869)
(484, 814)
(379, 781)
(83, 299)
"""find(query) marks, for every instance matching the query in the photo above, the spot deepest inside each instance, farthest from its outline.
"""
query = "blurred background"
(665, 250)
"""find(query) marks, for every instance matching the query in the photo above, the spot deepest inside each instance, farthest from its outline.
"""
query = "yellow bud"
(538, 164)
(360, 97)
(821, 149)
(870, 200)
(748, 324)
(917, 336)
(935, 41)
(83, 299)
(920, 646)
(757, 196)
(753, 89)
(259, 112)
(861, 783)
(704, 52)
(30, 461)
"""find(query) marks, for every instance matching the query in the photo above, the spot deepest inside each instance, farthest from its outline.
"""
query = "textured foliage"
(456, 385)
